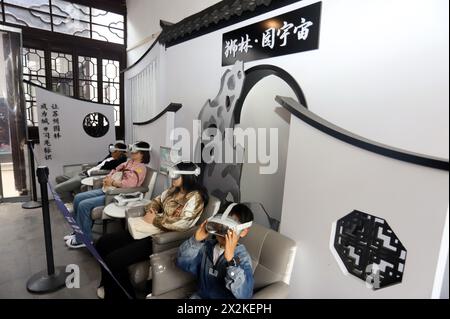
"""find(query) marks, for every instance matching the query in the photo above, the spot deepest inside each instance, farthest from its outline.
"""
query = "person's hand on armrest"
(107, 181)
(150, 216)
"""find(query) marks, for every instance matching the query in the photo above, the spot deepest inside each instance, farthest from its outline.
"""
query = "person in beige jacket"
(173, 210)
(176, 209)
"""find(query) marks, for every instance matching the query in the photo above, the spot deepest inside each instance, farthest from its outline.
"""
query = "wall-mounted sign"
(292, 32)
(66, 136)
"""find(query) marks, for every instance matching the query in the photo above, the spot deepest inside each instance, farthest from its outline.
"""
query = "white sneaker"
(69, 207)
(101, 292)
(67, 237)
(72, 243)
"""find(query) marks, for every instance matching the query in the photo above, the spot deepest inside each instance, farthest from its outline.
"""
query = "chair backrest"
(161, 184)
(260, 215)
(211, 209)
(149, 176)
(272, 255)
(150, 181)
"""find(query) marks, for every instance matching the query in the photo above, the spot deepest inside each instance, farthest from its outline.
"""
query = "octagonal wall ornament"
(366, 247)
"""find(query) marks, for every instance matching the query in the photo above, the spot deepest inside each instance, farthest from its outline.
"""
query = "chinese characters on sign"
(292, 32)
(50, 127)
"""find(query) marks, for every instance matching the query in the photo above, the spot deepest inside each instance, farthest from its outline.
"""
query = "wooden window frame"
(49, 41)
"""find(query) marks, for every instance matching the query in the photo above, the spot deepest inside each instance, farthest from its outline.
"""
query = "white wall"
(270, 115)
(144, 15)
(157, 134)
(376, 72)
(326, 179)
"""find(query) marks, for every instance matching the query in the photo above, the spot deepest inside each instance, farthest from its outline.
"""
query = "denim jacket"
(218, 281)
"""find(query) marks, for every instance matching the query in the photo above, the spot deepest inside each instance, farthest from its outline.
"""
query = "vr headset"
(133, 148)
(125, 199)
(220, 224)
(175, 173)
(113, 148)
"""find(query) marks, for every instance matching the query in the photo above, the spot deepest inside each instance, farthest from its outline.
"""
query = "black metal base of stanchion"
(31, 205)
(42, 283)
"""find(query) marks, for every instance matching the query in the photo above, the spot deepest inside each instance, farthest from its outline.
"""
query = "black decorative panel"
(369, 249)
(96, 124)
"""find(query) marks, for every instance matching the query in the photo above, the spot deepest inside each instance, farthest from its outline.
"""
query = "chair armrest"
(117, 191)
(172, 236)
(135, 211)
(97, 212)
(97, 183)
(85, 167)
(100, 172)
(277, 290)
(166, 276)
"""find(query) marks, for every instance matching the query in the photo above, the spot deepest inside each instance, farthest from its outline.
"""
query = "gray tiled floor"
(22, 254)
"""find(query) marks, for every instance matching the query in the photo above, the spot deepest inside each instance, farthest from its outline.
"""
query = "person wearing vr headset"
(222, 266)
(129, 174)
(68, 185)
(176, 209)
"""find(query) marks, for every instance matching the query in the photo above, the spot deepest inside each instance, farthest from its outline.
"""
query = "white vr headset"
(113, 148)
(175, 173)
(133, 148)
(125, 199)
(220, 224)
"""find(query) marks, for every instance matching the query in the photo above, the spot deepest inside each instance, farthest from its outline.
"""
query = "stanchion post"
(53, 278)
(42, 175)
(33, 203)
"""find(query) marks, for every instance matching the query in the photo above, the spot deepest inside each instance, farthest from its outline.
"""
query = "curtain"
(143, 93)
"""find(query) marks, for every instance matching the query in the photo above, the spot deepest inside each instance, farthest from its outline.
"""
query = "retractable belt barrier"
(77, 229)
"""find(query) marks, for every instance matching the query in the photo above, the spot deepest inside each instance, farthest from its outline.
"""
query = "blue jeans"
(82, 206)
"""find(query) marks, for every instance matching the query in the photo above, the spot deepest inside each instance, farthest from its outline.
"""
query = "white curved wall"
(327, 179)
(260, 100)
